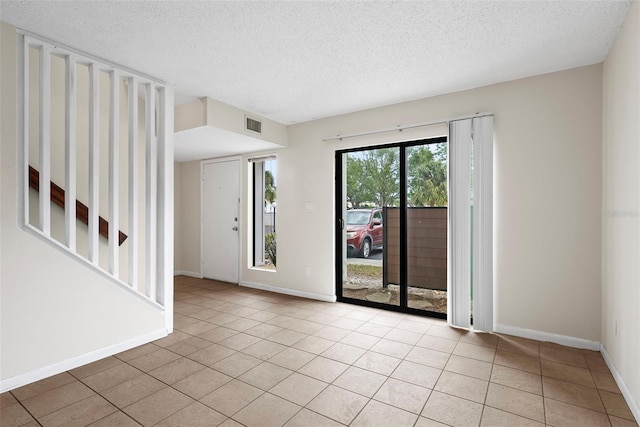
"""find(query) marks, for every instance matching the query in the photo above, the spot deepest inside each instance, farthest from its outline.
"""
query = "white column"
(459, 259)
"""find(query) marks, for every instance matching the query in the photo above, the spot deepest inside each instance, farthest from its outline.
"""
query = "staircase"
(87, 208)
(79, 110)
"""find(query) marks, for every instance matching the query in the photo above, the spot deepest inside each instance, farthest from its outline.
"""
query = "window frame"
(257, 251)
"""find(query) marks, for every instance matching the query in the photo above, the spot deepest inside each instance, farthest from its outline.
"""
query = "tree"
(381, 168)
(356, 192)
(427, 176)
(372, 177)
(269, 187)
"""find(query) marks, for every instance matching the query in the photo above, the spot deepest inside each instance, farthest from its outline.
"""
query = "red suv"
(364, 231)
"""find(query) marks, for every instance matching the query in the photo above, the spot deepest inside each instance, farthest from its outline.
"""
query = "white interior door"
(220, 206)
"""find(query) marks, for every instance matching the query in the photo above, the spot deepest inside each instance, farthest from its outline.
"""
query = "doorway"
(392, 226)
(220, 225)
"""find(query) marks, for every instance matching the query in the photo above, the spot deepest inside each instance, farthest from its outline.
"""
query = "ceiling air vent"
(253, 125)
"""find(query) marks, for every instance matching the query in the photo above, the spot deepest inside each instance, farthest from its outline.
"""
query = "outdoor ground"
(364, 282)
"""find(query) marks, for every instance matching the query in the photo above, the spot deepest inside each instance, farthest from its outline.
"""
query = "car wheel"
(365, 250)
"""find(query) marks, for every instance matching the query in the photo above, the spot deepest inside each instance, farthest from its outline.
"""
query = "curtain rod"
(262, 158)
(400, 128)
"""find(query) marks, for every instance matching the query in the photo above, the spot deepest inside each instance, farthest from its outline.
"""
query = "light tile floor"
(242, 357)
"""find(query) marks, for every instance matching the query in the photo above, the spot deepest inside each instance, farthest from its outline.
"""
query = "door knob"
(235, 228)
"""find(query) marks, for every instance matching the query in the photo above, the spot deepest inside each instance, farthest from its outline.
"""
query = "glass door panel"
(427, 227)
(370, 187)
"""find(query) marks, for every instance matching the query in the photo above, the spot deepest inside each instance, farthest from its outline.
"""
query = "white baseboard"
(633, 405)
(188, 273)
(547, 336)
(75, 362)
(287, 291)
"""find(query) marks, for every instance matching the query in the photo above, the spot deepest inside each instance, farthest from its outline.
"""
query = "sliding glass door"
(391, 233)
(371, 187)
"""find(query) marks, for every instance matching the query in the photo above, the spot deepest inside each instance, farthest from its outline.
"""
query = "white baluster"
(70, 155)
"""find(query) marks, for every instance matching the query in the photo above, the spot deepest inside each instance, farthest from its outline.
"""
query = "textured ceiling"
(297, 61)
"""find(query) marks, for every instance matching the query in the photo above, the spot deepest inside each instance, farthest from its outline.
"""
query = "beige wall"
(547, 196)
(547, 199)
(53, 309)
(621, 204)
(190, 115)
(567, 149)
(177, 217)
(188, 230)
(209, 112)
(224, 116)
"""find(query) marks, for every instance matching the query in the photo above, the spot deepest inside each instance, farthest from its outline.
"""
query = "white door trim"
(240, 213)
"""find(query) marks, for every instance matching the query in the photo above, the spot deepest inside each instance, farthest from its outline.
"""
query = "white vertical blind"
(471, 149)
(459, 260)
(483, 223)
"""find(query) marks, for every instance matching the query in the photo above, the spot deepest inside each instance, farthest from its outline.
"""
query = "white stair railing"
(115, 128)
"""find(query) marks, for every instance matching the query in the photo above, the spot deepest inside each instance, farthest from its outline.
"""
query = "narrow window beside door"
(264, 212)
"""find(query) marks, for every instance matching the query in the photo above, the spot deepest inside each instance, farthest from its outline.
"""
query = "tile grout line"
(103, 397)
(298, 313)
(25, 408)
(441, 370)
(486, 394)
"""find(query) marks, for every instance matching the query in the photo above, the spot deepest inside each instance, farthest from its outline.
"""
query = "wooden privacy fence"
(426, 247)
